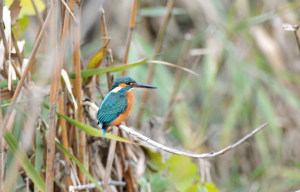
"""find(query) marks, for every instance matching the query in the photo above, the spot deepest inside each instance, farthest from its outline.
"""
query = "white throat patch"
(116, 90)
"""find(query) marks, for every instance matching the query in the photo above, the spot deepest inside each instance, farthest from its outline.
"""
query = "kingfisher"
(117, 104)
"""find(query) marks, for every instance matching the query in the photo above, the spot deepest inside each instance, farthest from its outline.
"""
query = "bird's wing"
(111, 107)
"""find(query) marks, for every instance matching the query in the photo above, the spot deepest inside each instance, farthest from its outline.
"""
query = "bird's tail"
(103, 132)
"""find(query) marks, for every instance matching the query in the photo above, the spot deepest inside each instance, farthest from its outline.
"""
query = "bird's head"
(124, 83)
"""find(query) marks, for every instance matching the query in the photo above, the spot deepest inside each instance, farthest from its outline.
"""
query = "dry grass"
(248, 74)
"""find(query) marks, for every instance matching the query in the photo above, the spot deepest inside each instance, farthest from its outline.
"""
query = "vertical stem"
(76, 57)
(2, 30)
(14, 40)
(127, 171)
(105, 43)
(55, 81)
(157, 49)
(37, 12)
(297, 38)
(186, 45)
(64, 135)
(1, 149)
(131, 27)
(110, 159)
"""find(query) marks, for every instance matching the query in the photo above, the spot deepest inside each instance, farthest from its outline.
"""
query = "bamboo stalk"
(157, 49)
(129, 35)
(76, 58)
(181, 63)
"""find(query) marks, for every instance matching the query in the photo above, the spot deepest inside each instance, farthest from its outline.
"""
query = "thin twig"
(92, 185)
(177, 152)
(68, 8)
(38, 15)
(130, 30)
(14, 40)
(157, 49)
(297, 38)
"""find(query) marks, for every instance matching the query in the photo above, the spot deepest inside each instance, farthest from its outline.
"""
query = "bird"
(117, 104)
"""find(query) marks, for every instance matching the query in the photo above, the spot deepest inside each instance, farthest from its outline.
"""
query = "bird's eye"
(128, 83)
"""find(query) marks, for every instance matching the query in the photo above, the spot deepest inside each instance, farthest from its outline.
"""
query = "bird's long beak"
(141, 85)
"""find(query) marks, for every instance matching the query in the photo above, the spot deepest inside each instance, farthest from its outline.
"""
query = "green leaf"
(211, 187)
(81, 167)
(158, 182)
(23, 159)
(93, 131)
(181, 177)
(38, 155)
(104, 70)
(97, 59)
(95, 62)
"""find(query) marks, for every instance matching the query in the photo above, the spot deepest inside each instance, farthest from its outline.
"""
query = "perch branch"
(92, 185)
(174, 151)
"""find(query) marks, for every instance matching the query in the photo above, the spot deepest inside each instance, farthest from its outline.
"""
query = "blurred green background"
(248, 68)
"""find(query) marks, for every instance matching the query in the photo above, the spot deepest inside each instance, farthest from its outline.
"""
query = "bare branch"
(92, 185)
(174, 151)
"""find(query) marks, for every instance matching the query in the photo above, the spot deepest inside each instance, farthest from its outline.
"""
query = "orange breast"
(124, 115)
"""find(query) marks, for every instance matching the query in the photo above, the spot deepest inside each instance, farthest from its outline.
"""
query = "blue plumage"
(116, 102)
(111, 107)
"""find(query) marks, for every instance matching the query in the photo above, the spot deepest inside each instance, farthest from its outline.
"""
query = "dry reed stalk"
(18, 30)
(110, 158)
(178, 75)
(297, 38)
(55, 81)
(157, 49)
(129, 35)
(105, 43)
(73, 137)
(76, 59)
(24, 75)
(2, 30)
(1, 150)
(18, 73)
(38, 15)
(64, 135)
(126, 172)
(14, 40)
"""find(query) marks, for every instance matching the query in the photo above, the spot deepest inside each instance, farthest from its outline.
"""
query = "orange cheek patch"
(122, 85)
